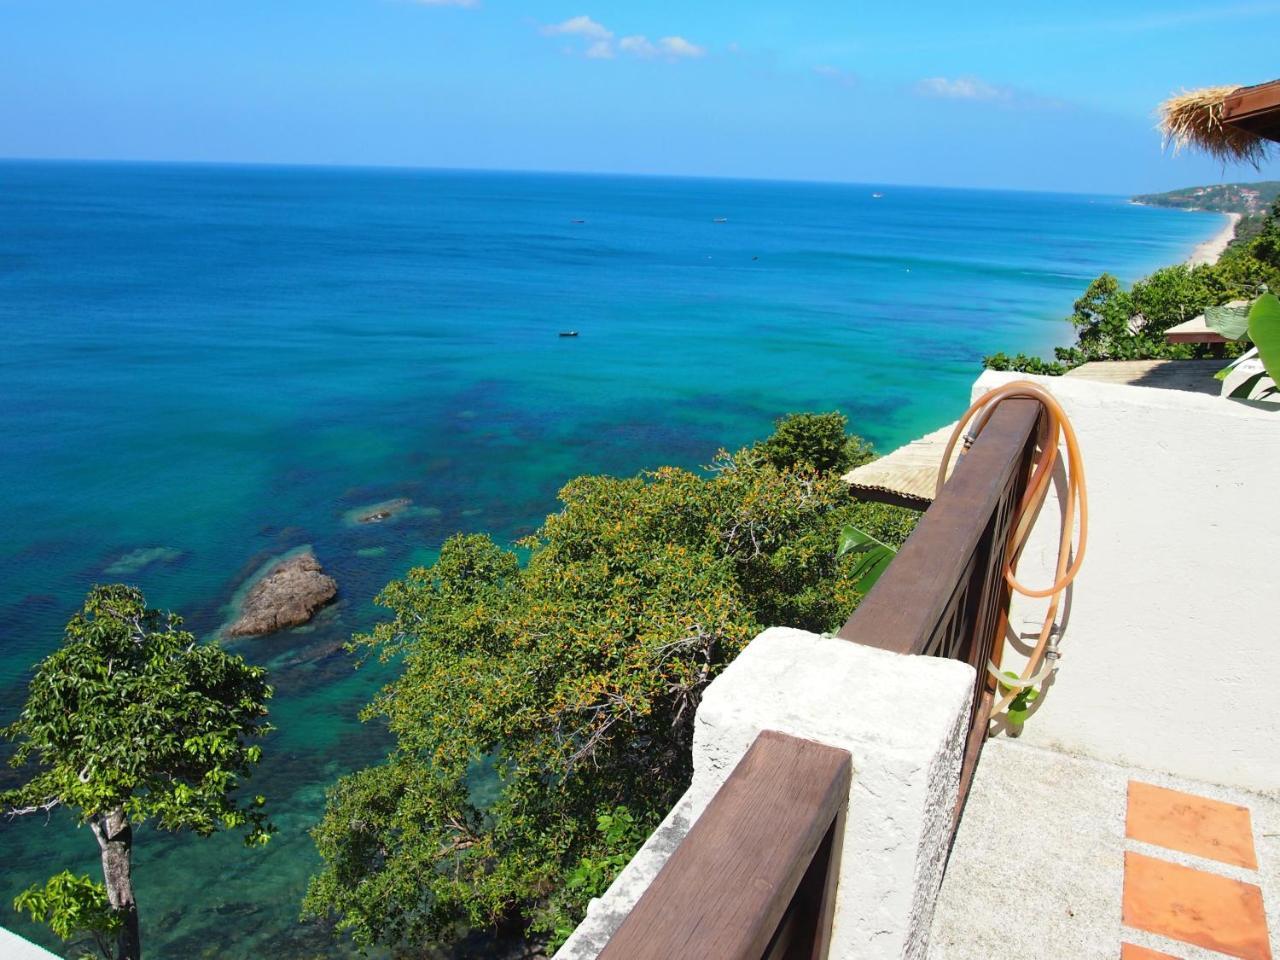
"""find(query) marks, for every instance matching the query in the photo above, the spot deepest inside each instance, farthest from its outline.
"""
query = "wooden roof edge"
(1254, 110)
(1247, 101)
(887, 495)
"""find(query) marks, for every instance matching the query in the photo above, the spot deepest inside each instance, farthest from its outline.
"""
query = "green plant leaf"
(1246, 387)
(853, 540)
(1230, 320)
(873, 560)
(868, 572)
(1264, 331)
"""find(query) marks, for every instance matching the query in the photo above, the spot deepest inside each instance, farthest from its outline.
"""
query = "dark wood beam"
(1255, 109)
(755, 877)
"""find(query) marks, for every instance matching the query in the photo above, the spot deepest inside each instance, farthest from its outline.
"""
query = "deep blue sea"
(203, 367)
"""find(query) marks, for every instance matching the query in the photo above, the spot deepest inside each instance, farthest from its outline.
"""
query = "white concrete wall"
(14, 947)
(903, 721)
(1171, 655)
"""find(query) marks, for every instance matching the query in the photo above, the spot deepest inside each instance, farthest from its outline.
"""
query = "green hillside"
(1246, 198)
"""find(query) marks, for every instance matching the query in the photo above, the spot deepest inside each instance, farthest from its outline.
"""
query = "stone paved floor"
(1063, 857)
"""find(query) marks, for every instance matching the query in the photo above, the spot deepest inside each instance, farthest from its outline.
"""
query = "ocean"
(206, 366)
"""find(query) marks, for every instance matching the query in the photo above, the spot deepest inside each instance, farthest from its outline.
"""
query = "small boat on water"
(577, 221)
(568, 333)
(877, 196)
(720, 220)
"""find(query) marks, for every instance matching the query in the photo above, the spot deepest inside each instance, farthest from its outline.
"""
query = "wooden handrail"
(945, 593)
(754, 879)
(907, 605)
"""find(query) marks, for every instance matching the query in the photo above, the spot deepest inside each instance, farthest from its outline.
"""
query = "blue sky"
(1027, 95)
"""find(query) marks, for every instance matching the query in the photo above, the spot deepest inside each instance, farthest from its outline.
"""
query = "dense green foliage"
(618, 835)
(133, 720)
(572, 682)
(816, 439)
(1113, 323)
(1024, 364)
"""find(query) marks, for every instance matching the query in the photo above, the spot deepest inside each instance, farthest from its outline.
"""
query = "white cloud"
(600, 44)
(674, 48)
(638, 46)
(680, 47)
(962, 88)
(580, 27)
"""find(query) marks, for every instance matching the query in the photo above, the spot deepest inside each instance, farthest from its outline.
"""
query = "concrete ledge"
(902, 719)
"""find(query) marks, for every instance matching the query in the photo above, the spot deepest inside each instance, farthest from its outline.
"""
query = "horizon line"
(427, 168)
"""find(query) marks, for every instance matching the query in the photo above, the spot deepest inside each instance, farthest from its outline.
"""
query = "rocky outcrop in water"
(289, 595)
(378, 512)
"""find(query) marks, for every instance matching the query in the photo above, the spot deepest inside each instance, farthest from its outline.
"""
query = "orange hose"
(1056, 424)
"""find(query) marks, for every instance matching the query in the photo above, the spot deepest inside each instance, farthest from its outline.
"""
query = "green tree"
(130, 720)
(818, 440)
(1113, 323)
(533, 700)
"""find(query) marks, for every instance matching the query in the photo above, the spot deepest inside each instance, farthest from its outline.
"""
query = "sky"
(1030, 95)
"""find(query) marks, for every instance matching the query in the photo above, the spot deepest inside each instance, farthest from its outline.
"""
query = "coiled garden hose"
(1054, 426)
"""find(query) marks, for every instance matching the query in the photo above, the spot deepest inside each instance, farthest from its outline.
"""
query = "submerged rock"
(378, 512)
(135, 560)
(289, 595)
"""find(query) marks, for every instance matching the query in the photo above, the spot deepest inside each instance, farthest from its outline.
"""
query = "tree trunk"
(115, 838)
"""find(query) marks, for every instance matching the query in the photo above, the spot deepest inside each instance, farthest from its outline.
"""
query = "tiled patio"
(1064, 857)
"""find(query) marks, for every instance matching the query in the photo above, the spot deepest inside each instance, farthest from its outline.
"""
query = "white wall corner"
(903, 721)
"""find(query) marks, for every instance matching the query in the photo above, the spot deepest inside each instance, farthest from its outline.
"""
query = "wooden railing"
(755, 877)
(945, 594)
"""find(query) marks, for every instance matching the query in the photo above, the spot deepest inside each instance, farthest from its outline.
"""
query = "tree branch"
(45, 808)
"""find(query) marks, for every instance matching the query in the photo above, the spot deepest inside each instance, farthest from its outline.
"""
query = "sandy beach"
(1211, 249)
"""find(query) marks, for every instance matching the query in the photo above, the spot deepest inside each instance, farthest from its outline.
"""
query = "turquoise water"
(204, 367)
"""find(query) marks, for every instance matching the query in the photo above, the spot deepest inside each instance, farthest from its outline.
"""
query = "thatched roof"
(1195, 118)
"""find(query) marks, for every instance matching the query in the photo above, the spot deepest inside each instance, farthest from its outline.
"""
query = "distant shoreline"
(1212, 249)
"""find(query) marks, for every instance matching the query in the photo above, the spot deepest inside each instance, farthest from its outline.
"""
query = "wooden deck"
(1195, 376)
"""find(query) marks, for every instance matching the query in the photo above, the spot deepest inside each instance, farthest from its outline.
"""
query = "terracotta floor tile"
(1205, 909)
(1191, 824)
(1129, 952)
